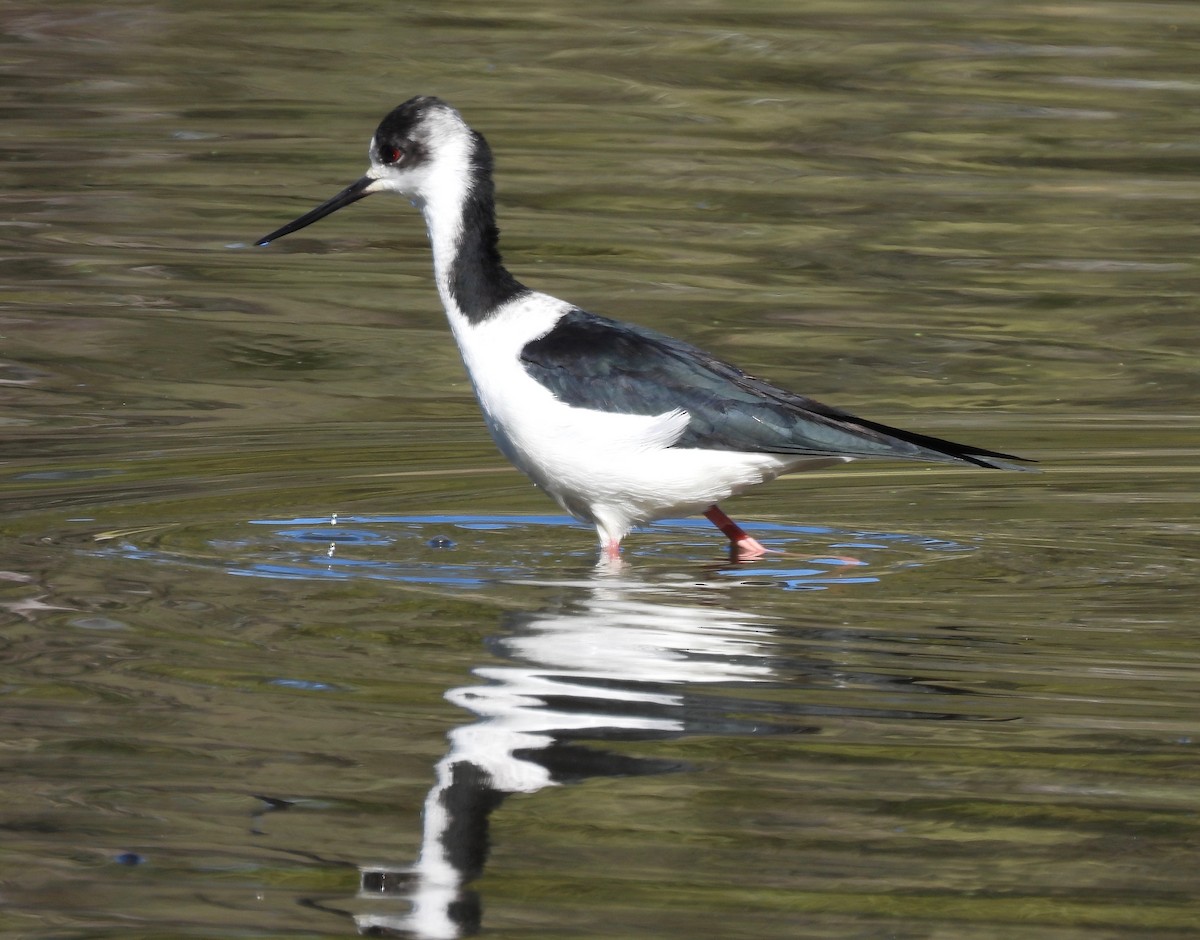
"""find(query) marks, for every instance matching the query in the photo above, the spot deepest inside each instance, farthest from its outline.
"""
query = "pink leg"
(612, 550)
(741, 545)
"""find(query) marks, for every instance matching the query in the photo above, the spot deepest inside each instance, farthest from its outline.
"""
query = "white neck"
(443, 203)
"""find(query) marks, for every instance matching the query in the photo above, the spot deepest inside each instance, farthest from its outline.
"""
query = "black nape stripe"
(479, 282)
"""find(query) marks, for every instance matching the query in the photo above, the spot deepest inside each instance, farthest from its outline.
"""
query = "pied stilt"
(619, 424)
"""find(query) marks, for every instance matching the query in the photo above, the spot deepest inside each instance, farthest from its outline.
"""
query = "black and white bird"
(619, 424)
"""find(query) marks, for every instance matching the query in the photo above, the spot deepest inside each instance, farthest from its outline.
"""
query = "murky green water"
(957, 704)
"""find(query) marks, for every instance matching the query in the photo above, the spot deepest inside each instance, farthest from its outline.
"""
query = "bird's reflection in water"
(616, 665)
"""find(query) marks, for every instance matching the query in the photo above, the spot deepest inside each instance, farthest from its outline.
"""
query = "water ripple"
(462, 550)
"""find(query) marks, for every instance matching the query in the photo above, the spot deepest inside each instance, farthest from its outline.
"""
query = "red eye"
(394, 155)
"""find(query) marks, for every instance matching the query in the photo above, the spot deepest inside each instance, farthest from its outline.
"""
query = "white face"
(421, 159)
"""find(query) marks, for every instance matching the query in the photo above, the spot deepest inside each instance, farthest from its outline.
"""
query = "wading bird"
(619, 424)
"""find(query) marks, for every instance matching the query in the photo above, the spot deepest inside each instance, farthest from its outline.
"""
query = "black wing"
(593, 362)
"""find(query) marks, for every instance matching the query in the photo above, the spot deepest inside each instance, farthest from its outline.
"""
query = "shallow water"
(267, 589)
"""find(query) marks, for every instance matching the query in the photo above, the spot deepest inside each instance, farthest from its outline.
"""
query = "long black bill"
(352, 193)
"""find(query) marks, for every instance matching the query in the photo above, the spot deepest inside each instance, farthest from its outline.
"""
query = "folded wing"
(590, 361)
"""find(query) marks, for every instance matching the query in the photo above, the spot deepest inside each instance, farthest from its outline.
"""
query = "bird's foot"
(741, 546)
(747, 549)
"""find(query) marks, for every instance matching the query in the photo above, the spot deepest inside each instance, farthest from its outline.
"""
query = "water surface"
(287, 650)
